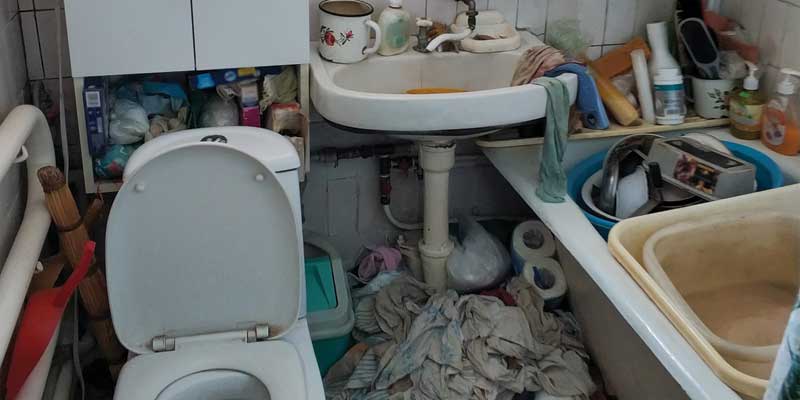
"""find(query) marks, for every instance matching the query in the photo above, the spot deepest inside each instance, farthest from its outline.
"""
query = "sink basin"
(370, 96)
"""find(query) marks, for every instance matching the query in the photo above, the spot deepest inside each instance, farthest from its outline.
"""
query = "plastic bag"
(218, 112)
(479, 262)
(128, 123)
(281, 88)
(112, 163)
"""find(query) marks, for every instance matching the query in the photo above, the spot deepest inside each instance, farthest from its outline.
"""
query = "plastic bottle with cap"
(747, 107)
(780, 130)
(395, 23)
(669, 96)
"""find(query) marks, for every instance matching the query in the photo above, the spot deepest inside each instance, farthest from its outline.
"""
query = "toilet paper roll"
(547, 278)
(531, 239)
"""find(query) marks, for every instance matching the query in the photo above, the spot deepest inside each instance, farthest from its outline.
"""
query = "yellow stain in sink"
(434, 90)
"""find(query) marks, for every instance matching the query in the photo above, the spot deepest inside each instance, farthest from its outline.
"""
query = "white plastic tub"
(735, 277)
(627, 243)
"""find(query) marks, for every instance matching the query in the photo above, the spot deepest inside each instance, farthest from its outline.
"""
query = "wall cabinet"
(120, 37)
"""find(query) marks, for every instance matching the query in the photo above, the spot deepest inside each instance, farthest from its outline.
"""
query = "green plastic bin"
(330, 315)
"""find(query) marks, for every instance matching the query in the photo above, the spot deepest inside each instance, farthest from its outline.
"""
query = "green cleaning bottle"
(747, 107)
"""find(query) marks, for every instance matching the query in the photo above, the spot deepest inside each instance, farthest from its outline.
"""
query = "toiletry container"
(660, 58)
(670, 99)
(746, 107)
(395, 24)
(780, 130)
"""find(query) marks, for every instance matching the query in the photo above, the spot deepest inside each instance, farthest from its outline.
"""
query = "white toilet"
(205, 270)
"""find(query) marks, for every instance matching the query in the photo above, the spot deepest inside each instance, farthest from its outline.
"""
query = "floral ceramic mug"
(344, 31)
(710, 96)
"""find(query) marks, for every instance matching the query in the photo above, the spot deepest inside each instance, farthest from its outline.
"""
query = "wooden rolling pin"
(622, 110)
(72, 235)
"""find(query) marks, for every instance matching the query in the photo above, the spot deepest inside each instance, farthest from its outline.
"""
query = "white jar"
(669, 96)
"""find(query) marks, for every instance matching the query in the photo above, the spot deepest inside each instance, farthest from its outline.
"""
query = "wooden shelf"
(614, 131)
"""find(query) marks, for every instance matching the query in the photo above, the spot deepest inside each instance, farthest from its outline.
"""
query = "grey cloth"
(552, 178)
(445, 346)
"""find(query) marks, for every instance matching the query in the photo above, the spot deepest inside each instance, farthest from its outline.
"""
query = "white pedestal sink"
(370, 97)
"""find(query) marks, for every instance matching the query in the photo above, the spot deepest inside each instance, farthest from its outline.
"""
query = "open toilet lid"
(202, 239)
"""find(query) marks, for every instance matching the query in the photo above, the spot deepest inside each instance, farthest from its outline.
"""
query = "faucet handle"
(424, 22)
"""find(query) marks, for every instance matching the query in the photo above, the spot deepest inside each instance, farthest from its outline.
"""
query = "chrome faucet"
(425, 45)
(472, 13)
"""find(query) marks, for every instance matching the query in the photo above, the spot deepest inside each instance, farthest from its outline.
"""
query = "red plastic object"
(39, 322)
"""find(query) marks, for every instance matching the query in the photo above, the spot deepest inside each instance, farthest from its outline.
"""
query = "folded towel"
(552, 178)
(535, 62)
(593, 113)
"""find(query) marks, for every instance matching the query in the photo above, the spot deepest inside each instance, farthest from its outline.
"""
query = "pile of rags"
(419, 344)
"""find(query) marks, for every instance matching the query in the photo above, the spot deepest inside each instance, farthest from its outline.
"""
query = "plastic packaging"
(747, 107)
(129, 122)
(640, 72)
(670, 98)
(395, 23)
(113, 162)
(280, 88)
(780, 131)
(479, 262)
(218, 112)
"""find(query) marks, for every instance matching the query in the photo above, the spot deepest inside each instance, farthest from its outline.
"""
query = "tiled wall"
(12, 58)
(606, 23)
(12, 92)
(775, 26)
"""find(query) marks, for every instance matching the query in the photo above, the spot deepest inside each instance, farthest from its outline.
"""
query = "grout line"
(39, 41)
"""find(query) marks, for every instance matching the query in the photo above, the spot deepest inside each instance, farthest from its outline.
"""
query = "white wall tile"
(590, 14)
(25, 5)
(649, 11)
(46, 21)
(532, 14)
(30, 36)
(620, 21)
(442, 11)
(8, 10)
(609, 48)
(732, 9)
(773, 25)
(790, 51)
(506, 7)
(46, 4)
(752, 14)
(12, 66)
(594, 52)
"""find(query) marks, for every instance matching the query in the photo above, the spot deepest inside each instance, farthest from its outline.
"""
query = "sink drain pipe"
(436, 159)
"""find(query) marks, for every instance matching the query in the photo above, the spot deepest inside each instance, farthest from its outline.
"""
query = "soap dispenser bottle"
(747, 107)
(780, 131)
(395, 23)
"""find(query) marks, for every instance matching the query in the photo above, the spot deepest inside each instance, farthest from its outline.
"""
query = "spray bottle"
(747, 107)
(781, 129)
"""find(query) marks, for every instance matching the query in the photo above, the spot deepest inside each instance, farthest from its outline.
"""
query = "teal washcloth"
(552, 179)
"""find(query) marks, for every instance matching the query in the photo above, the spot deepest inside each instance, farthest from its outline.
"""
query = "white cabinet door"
(250, 33)
(114, 37)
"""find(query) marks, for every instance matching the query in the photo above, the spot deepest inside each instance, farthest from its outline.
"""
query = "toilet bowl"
(204, 264)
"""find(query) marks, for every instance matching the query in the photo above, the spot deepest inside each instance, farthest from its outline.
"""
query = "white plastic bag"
(479, 262)
(128, 123)
(219, 112)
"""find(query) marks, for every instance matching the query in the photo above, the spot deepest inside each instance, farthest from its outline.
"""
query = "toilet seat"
(276, 364)
(204, 261)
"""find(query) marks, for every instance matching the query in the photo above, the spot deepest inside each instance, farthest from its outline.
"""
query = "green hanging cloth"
(552, 178)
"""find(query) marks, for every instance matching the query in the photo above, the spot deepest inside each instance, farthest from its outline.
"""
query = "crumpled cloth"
(552, 178)
(535, 62)
(444, 346)
(379, 259)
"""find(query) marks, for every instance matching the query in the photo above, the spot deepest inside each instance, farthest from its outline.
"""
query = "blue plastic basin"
(768, 176)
